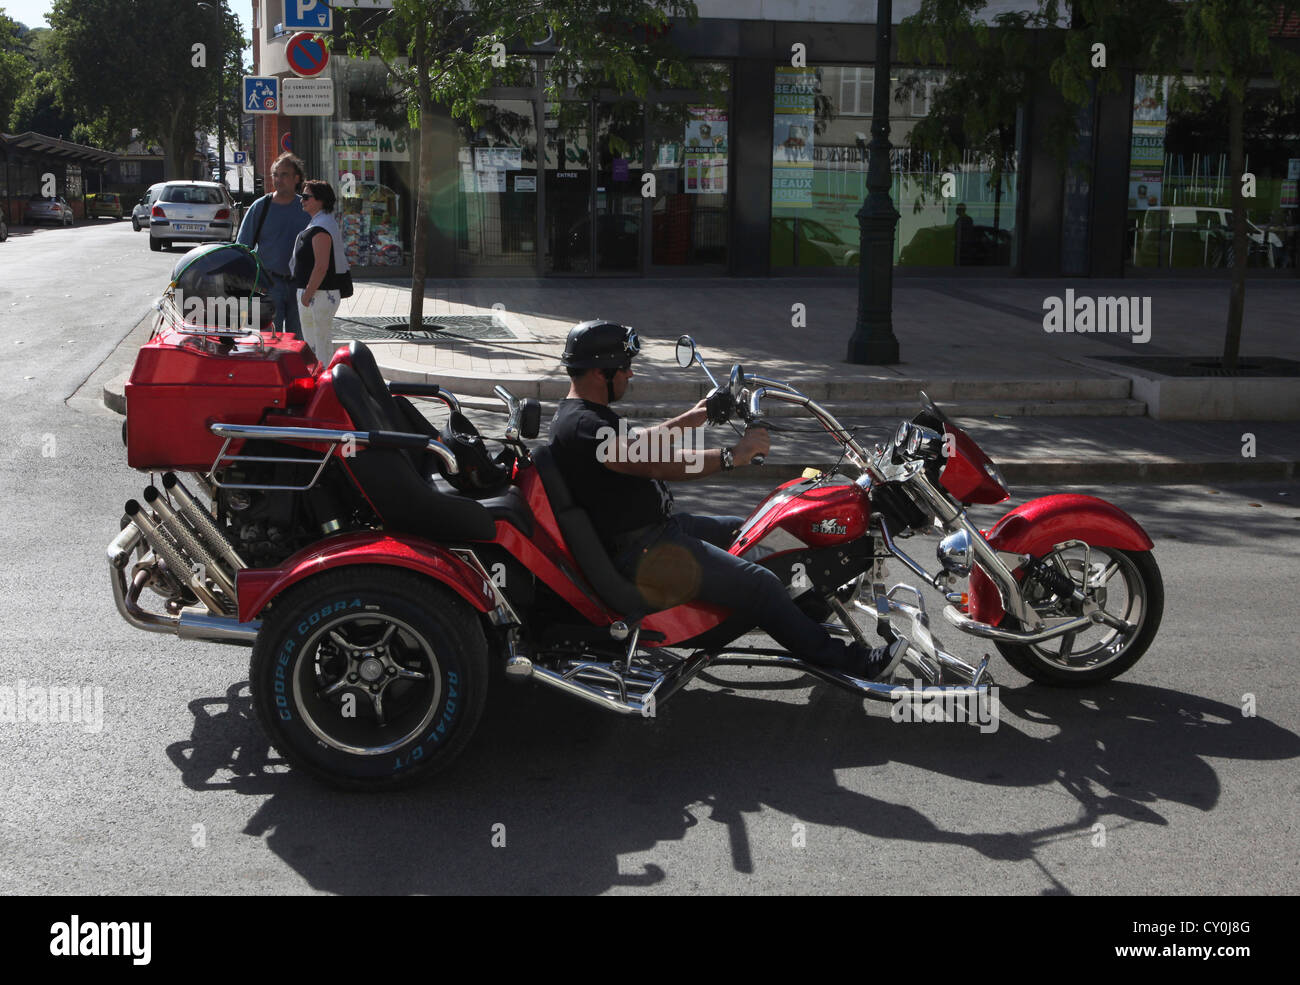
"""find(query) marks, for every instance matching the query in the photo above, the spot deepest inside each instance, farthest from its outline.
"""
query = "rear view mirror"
(530, 417)
(685, 351)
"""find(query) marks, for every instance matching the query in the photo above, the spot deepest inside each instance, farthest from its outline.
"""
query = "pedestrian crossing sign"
(261, 94)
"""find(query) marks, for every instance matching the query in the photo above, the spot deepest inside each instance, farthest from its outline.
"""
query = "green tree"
(1231, 42)
(146, 64)
(447, 52)
(996, 62)
(16, 65)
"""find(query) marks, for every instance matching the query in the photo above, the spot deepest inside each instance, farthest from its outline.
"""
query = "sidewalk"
(1048, 407)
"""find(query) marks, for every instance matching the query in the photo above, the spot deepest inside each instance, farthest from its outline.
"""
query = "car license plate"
(190, 227)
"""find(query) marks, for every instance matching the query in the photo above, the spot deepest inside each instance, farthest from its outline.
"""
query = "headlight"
(995, 474)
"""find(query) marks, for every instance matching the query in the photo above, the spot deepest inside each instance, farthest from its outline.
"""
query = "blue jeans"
(284, 306)
(688, 561)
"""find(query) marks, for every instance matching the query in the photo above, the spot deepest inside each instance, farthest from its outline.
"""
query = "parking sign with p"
(308, 15)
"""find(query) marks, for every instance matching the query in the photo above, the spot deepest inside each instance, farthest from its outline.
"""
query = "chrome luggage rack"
(171, 317)
(331, 437)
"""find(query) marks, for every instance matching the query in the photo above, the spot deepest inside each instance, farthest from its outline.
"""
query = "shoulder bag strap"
(261, 219)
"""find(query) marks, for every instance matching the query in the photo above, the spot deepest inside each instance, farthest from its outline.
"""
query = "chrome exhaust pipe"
(187, 540)
(171, 556)
(201, 520)
(193, 625)
(190, 624)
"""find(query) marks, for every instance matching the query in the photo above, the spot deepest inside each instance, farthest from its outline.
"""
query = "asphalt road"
(742, 784)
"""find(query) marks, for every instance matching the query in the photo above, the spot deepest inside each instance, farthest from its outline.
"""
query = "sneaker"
(873, 664)
(877, 663)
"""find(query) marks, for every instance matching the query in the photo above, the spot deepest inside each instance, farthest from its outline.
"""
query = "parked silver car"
(140, 213)
(55, 209)
(192, 212)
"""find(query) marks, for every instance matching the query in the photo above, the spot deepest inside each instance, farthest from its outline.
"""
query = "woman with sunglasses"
(319, 268)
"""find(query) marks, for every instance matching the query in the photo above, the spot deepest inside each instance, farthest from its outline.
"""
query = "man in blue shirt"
(270, 227)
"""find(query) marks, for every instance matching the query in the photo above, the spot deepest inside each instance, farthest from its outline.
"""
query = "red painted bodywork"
(177, 390)
(546, 554)
(843, 504)
(258, 586)
(963, 472)
(1040, 524)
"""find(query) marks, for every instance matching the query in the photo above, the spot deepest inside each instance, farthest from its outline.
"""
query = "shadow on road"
(575, 792)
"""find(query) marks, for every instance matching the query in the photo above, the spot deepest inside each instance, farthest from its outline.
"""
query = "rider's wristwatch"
(728, 460)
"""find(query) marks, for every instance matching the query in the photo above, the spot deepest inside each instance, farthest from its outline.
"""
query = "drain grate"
(393, 328)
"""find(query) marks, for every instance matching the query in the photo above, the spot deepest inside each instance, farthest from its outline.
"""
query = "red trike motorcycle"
(388, 577)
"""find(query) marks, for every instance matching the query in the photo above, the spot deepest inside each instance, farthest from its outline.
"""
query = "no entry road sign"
(306, 54)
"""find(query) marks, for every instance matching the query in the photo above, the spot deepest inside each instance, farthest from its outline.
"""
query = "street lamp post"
(873, 341)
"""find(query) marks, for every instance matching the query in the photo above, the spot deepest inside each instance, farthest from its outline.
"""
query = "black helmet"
(221, 271)
(600, 345)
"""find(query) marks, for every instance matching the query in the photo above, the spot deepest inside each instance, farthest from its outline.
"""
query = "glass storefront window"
(497, 163)
(567, 168)
(1180, 195)
(821, 128)
(691, 155)
(365, 153)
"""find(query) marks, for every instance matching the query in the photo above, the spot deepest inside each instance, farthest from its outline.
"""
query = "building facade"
(767, 180)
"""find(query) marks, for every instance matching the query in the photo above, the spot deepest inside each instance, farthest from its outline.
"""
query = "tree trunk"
(1237, 298)
(420, 248)
(424, 184)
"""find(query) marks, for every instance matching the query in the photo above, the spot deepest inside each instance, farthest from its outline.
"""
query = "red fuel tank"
(814, 513)
(182, 384)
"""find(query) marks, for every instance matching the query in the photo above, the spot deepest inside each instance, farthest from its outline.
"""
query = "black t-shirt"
(615, 502)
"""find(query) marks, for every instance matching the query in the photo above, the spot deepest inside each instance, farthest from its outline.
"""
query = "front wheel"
(1124, 585)
(369, 677)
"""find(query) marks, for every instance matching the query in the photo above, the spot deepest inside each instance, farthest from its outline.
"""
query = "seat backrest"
(397, 413)
(584, 543)
(391, 481)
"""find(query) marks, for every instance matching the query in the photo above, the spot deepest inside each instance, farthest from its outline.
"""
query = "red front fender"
(1040, 524)
(257, 586)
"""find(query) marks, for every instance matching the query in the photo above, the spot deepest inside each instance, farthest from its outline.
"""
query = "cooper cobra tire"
(1113, 651)
(410, 654)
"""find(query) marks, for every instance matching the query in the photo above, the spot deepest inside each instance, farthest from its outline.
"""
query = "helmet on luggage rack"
(218, 274)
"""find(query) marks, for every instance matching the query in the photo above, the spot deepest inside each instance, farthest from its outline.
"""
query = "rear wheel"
(155, 244)
(370, 677)
(1123, 585)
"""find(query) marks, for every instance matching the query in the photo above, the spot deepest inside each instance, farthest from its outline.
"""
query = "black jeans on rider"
(685, 558)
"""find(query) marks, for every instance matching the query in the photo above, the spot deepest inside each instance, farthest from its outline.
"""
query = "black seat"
(580, 535)
(399, 412)
(509, 505)
(392, 481)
